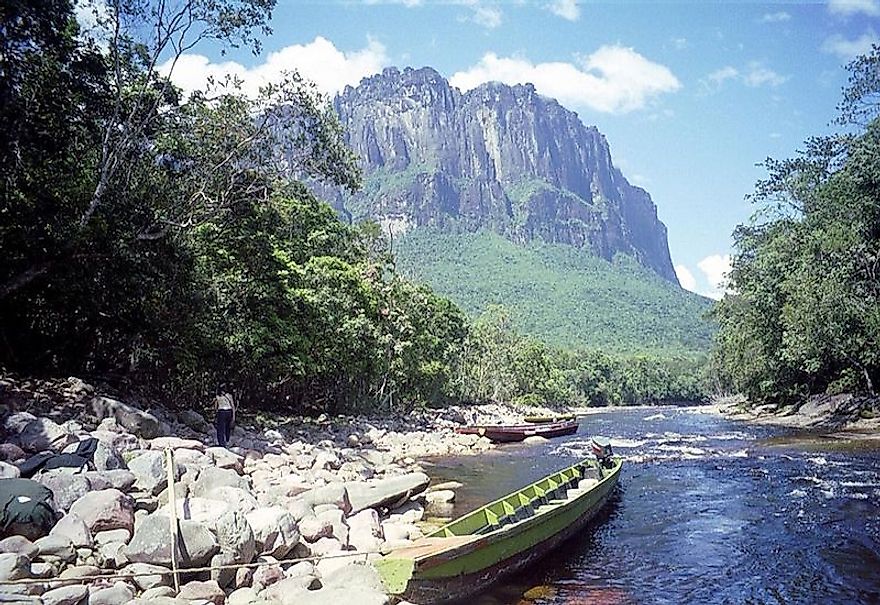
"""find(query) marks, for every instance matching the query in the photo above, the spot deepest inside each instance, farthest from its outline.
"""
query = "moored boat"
(517, 432)
(473, 551)
(541, 419)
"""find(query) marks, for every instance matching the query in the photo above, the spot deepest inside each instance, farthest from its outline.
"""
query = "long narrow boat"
(470, 553)
(518, 432)
(558, 418)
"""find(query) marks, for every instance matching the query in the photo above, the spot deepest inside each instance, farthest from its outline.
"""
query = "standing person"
(224, 404)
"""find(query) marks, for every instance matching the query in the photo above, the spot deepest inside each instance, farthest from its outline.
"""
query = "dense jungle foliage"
(560, 294)
(162, 244)
(804, 316)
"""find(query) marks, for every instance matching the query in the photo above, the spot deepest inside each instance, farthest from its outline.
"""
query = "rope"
(115, 576)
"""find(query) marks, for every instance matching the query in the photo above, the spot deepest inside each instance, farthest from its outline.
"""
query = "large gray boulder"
(211, 478)
(72, 528)
(152, 541)
(150, 471)
(66, 595)
(66, 487)
(140, 423)
(275, 530)
(157, 575)
(386, 492)
(119, 593)
(105, 509)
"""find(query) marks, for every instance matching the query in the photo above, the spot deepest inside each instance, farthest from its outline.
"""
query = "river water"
(708, 511)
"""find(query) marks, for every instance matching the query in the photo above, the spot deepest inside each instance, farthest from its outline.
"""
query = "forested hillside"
(804, 316)
(558, 294)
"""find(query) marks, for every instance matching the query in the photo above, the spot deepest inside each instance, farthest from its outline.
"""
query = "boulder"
(14, 566)
(120, 479)
(162, 443)
(202, 510)
(9, 452)
(56, 548)
(336, 494)
(288, 591)
(112, 535)
(42, 434)
(152, 595)
(244, 596)
(107, 458)
(220, 573)
(72, 528)
(19, 545)
(223, 458)
(158, 575)
(135, 421)
(267, 574)
(312, 528)
(202, 592)
(193, 420)
(275, 530)
(152, 541)
(105, 509)
(236, 537)
(337, 519)
(386, 492)
(149, 469)
(236, 498)
(120, 592)
(9, 471)
(66, 595)
(66, 487)
(211, 478)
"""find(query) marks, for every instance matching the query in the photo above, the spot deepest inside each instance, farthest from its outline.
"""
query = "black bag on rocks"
(25, 509)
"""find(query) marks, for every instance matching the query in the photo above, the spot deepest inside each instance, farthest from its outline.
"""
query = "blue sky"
(691, 95)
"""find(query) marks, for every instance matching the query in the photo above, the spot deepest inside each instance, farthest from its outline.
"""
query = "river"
(708, 511)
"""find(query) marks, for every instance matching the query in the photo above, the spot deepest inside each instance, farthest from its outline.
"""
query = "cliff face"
(497, 157)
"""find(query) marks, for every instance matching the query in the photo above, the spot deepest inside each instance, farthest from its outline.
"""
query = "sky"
(692, 96)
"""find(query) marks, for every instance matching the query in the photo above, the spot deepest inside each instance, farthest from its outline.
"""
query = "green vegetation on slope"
(805, 318)
(562, 295)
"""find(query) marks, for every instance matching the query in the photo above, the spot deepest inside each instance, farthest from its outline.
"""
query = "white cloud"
(567, 9)
(847, 50)
(720, 76)
(715, 268)
(483, 13)
(686, 278)
(853, 7)
(778, 17)
(758, 75)
(680, 43)
(319, 61)
(614, 79)
(755, 74)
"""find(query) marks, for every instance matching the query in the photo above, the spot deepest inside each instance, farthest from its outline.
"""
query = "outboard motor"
(601, 447)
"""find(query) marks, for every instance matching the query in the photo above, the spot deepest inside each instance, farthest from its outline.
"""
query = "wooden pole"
(169, 464)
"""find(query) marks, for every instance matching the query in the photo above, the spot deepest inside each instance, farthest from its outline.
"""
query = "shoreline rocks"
(296, 500)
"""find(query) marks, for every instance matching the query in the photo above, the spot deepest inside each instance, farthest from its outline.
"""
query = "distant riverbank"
(846, 415)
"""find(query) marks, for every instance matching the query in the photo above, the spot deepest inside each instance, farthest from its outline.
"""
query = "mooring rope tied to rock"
(118, 576)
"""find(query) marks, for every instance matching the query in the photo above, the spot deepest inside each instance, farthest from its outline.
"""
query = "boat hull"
(454, 574)
(513, 433)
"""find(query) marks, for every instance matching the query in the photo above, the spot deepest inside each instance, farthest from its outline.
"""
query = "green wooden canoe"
(473, 551)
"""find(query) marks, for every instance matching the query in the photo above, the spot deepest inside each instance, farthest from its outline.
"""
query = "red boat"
(517, 432)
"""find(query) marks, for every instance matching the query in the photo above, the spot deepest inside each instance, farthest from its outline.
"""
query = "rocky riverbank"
(845, 415)
(296, 511)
